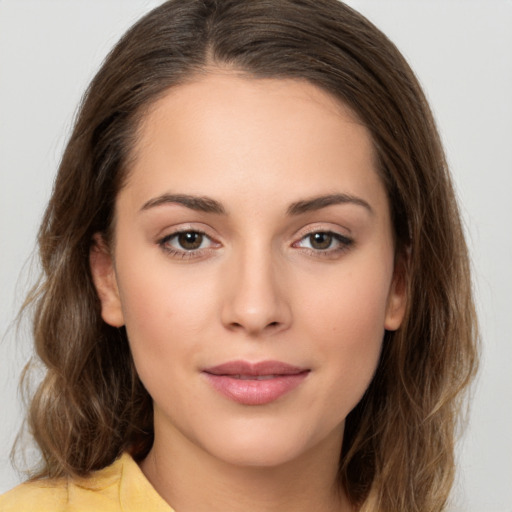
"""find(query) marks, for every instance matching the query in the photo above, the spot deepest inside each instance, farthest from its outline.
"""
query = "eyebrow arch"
(198, 203)
(209, 205)
(319, 202)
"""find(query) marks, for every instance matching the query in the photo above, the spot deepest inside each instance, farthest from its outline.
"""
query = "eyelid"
(163, 241)
(324, 227)
(343, 242)
(338, 236)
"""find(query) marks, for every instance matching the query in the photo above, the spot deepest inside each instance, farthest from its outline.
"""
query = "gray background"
(462, 52)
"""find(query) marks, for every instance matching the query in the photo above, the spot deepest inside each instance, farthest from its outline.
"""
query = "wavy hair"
(398, 448)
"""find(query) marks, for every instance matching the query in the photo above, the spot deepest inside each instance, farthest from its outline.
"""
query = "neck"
(191, 480)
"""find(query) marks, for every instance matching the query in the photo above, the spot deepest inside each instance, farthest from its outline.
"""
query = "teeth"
(253, 377)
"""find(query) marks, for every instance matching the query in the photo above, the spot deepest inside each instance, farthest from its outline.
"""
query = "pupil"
(321, 240)
(190, 240)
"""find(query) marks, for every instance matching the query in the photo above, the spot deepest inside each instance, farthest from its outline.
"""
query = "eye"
(324, 241)
(189, 240)
(185, 243)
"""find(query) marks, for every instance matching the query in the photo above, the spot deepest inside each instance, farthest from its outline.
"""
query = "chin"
(257, 446)
(261, 455)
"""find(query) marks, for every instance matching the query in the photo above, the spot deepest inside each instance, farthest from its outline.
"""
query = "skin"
(258, 288)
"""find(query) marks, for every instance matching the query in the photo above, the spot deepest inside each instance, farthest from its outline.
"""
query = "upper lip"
(255, 369)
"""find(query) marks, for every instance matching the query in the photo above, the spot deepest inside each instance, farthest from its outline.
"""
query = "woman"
(255, 274)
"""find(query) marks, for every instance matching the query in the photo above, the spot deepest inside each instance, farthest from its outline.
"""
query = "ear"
(397, 297)
(105, 282)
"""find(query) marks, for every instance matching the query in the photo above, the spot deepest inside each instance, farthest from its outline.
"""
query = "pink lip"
(255, 383)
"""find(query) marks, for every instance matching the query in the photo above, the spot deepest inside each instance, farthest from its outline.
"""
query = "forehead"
(225, 133)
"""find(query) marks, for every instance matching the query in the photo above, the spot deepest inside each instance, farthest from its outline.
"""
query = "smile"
(255, 384)
(254, 377)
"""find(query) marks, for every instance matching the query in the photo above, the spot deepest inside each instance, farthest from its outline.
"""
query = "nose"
(255, 296)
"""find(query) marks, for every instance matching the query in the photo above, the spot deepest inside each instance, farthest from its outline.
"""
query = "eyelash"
(184, 253)
(343, 244)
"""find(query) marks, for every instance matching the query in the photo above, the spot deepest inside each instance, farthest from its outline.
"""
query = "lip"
(255, 383)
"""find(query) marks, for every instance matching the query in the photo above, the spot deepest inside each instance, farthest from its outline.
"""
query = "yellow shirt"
(121, 487)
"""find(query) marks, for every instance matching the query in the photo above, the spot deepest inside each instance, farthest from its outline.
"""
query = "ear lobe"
(104, 278)
(397, 297)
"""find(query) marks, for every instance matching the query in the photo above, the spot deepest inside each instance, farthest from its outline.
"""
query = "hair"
(398, 447)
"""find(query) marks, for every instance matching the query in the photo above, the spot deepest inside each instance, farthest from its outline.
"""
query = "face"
(253, 267)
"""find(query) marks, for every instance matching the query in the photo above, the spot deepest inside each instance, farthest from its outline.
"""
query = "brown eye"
(325, 243)
(190, 240)
(188, 244)
(320, 241)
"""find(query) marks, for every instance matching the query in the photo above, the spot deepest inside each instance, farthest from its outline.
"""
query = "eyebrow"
(198, 203)
(319, 202)
(209, 205)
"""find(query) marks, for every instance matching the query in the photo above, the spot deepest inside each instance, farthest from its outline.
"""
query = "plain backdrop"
(461, 51)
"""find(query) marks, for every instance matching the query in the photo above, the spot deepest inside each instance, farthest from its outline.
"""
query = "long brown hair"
(398, 450)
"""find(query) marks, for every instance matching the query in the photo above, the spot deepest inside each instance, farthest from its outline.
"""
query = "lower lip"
(255, 392)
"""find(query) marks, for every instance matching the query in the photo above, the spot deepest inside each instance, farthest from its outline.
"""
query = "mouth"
(255, 383)
(253, 377)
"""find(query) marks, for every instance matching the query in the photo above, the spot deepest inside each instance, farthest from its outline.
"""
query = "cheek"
(350, 305)
(165, 313)
(346, 320)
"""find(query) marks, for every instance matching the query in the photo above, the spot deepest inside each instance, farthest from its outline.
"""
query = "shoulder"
(40, 496)
(118, 487)
(99, 491)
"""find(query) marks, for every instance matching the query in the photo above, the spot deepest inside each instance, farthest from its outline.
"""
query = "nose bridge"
(256, 300)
